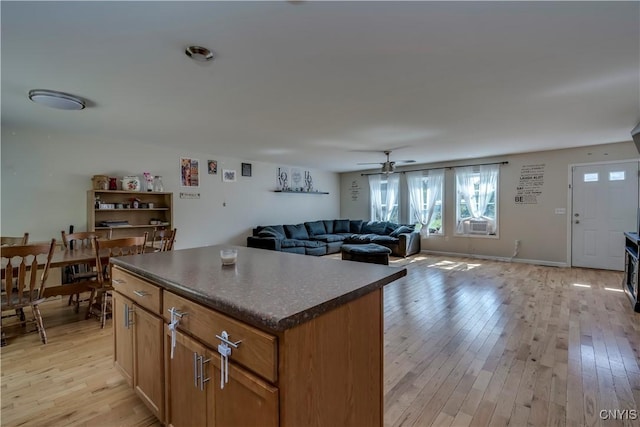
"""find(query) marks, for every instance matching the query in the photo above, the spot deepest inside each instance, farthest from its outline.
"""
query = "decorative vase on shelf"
(157, 183)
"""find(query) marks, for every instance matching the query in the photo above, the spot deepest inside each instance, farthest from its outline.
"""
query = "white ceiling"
(310, 83)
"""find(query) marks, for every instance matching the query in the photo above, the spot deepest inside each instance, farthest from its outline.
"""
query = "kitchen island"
(276, 339)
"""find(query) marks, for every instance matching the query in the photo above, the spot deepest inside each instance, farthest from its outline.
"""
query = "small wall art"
(189, 172)
(212, 167)
(228, 175)
(246, 169)
(282, 179)
(296, 179)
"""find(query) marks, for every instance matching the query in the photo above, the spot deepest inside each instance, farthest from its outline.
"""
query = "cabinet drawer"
(257, 351)
(138, 290)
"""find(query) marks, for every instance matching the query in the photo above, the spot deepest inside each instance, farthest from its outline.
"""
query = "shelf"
(300, 192)
(130, 192)
(137, 220)
(132, 209)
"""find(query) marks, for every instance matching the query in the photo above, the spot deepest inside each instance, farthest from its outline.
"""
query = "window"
(477, 200)
(616, 176)
(591, 177)
(384, 197)
(425, 199)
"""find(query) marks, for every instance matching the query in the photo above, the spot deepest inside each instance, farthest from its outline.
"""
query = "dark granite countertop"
(270, 290)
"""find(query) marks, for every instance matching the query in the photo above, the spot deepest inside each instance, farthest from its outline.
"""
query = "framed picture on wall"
(212, 167)
(189, 172)
(246, 169)
(228, 175)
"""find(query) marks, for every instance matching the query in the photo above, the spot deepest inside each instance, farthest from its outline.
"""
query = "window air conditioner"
(478, 226)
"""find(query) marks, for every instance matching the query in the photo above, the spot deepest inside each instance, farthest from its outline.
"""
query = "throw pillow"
(388, 229)
(401, 229)
(342, 226)
(298, 231)
(355, 226)
(374, 227)
(270, 232)
(315, 228)
(328, 225)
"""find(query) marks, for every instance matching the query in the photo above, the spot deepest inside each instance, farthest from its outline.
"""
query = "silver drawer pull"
(141, 293)
(224, 339)
(118, 281)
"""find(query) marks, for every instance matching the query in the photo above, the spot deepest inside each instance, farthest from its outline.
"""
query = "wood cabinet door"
(186, 402)
(122, 337)
(245, 400)
(149, 360)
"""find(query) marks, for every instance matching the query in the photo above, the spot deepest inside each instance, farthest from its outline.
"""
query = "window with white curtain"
(384, 197)
(477, 200)
(425, 200)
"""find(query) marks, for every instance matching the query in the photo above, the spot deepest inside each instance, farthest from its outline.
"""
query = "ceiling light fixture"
(53, 99)
(199, 53)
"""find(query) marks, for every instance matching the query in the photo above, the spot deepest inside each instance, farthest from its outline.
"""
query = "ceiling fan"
(388, 167)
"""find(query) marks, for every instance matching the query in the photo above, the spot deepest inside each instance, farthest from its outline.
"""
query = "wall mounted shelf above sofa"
(300, 192)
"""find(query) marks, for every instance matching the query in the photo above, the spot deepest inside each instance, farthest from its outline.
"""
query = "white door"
(605, 205)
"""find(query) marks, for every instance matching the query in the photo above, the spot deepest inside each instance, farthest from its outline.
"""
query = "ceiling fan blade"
(370, 163)
(405, 161)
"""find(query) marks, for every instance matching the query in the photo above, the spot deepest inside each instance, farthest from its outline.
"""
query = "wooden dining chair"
(13, 241)
(162, 240)
(105, 250)
(23, 282)
(80, 272)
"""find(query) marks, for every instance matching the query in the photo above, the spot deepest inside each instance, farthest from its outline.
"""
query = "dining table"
(64, 257)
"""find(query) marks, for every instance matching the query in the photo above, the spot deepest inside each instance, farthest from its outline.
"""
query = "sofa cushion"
(355, 226)
(292, 243)
(358, 239)
(315, 228)
(341, 226)
(328, 237)
(374, 227)
(378, 238)
(313, 244)
(328, 226)
(271, 232)
(298, 231)
(401, 229)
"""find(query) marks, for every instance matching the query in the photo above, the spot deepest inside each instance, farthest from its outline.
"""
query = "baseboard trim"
(497, 258)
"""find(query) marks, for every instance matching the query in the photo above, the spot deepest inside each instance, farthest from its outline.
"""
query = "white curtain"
(375, 192)
(487, 179)
(391, 199)
(417, 187)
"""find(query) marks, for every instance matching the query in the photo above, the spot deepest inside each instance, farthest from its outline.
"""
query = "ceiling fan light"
(54, 99)
(388, 168)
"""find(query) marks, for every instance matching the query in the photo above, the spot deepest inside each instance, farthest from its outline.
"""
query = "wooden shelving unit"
(138, 219)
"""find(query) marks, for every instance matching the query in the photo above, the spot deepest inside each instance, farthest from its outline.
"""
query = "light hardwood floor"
(467, 342)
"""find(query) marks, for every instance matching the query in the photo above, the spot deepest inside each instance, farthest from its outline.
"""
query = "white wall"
(45, 178)
(542, 232)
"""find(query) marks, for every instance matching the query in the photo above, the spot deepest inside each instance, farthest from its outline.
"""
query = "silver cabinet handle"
(118, 281)
(127, 316)
(195, 369)
(141, 293)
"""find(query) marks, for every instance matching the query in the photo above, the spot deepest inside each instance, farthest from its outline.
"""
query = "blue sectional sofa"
(327, 236)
